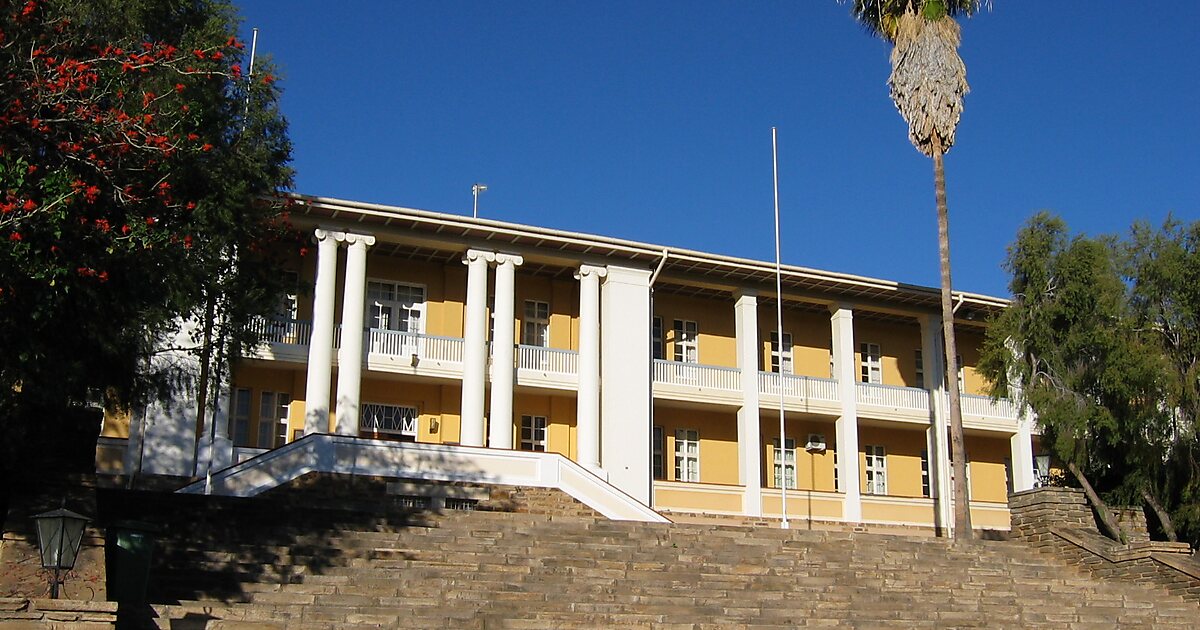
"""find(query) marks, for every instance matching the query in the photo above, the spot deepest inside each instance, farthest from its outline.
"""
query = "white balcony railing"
(286, 331)
(973, 405)
(431, 347)
(793, 386)
(547, 359)
(892, 396)
(696, 375)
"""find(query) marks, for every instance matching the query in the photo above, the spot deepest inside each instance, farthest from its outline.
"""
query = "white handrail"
(697, 375)
(974, 405)
(400, 343)
(287, 331)
(343, 454)
(796, 386)
(547, 359)
(892, 396)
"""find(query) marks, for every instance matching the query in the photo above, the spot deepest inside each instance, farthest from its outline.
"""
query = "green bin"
(131, 545)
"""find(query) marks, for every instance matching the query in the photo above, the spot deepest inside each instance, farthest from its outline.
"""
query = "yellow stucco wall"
(697, 498)
(897, 347)
(989, 477)
(718, 441)
(808, 464)
(717, 343)
(259, 378)
(116, 422)
(902, 450)
(559, 412)
(969, 344)
(811, 340)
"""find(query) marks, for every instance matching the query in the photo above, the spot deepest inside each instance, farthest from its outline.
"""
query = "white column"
(745, 315)
(939, 445)
(350, 355)
(500, 418)
(587, 419)
(320, 346)
(842, 322)
(625, 380)
(474, 347)
(1021, 444)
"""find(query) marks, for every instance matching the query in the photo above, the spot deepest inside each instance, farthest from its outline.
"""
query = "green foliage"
(881, 17)
(134, 154)
(1099, 341)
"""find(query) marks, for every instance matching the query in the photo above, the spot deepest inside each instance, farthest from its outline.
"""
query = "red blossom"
(236, 69)
(102, 225)
(146, 98)
(15, 236)
(179, 87)
(206, 147)
(29, 205)
(193, 137)
(29, 8)
(150, 220)
(103, 277)
(218, 55)
(187, 241)
(91, 194)
(199, 53)
(125, 229)
(268, 80)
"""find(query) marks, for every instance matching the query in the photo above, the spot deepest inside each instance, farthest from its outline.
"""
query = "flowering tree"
(135, 151)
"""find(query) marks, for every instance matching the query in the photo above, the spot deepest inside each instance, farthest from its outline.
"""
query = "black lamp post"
(60, 533)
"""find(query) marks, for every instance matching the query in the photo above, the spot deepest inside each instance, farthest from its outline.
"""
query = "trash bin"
(131, 544)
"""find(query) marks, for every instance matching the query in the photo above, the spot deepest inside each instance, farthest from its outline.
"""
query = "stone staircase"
(285, 562)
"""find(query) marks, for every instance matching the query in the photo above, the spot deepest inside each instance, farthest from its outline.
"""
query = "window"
(687, 455)
(240, 417)
(394, 306)
(871, 366)
(783, 360)
(392, 419)
(876, 469)
(920, 364)
(533, 433)
(535, 331)
(785, 463)
(656, 339)
(686, 345)
(660, 470)
(925, 489)
(272, 419)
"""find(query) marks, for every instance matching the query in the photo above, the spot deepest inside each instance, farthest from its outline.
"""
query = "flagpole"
(779, 337)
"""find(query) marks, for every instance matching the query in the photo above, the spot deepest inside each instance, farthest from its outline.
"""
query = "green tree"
(1164, 267)
(1075, 347)
(135, 152)
(927, 84)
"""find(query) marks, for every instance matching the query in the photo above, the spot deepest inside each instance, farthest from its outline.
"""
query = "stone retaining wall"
(1059, 521)
(17, 613)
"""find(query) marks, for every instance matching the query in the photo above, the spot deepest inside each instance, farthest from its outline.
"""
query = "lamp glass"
(60, 533)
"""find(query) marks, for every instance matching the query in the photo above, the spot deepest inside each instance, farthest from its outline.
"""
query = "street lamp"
(475, 190)
(60, 533)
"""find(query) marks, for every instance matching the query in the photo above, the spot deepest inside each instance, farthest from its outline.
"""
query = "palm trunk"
(962, 508)
(1107, 521)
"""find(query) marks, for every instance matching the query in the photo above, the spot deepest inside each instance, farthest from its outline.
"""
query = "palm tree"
(927, 83)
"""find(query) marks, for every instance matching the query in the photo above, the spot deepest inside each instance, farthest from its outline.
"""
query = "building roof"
(677, 269)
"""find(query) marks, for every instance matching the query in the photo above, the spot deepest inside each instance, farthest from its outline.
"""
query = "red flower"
(125, 229)
(149, 220)
(102, 225)
(146, 98)
(15, 236)
(218, 55)
(193, 137)
(30, 7)
(236, 69)
(91, 194)
(179, 87)
(29, 205)
(199, 53)
(103, 276)
(206, 147)
(303, 252)
(187, 242)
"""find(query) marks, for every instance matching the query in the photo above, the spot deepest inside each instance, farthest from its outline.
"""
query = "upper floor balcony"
(536, 366)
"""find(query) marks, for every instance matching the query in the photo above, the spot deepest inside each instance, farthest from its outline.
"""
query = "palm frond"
(882, 17)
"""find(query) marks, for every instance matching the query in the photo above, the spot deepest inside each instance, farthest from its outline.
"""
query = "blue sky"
(652, 121)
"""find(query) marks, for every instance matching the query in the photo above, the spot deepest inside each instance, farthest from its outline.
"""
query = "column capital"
(590, 270)
(473, 255)
(508, 259)
(322, 234)
(745, 296)
(365, 240)
(841, 309)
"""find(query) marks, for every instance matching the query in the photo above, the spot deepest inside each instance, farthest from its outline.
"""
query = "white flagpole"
(779, 338)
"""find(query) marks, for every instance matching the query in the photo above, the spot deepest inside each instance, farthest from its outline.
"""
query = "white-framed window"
(876, 469)
(687, 455)
(919, 362)
(239, 416)
(785, 463)
(656, 339)
(272, 419)
(535, 327)
(781, 362)
(533, 433)
(658, 446)
(400, 420)
(870, 363)
(396, 307)
(687, 347)
(926, 490)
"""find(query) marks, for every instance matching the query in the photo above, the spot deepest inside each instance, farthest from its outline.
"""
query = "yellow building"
(656, 369)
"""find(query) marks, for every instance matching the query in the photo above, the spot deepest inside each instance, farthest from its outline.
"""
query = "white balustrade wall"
(892, 396)
(696, 375)
(793, 386)
(547, 359)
